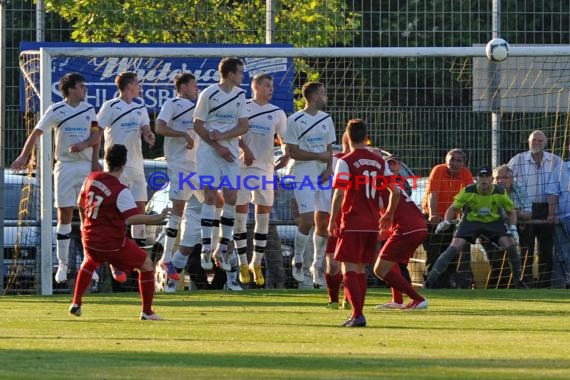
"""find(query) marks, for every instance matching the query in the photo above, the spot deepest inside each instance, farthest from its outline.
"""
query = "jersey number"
(370, 189)
(93, 205)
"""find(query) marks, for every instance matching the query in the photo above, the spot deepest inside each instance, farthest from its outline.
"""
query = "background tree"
(301, 23)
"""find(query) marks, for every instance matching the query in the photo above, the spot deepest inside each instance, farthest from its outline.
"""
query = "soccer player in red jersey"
(333, 274)
(357, 200)
(106, 206)
(405, 228)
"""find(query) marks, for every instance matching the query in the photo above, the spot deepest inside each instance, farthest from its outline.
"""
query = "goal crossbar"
(478, 51)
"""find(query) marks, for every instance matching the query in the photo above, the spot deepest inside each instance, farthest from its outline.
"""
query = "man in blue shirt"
(559, 212)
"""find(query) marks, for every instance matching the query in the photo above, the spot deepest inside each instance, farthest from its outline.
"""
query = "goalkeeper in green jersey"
(484, 206)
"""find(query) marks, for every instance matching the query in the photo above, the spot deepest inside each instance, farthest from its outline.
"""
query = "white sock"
(207, 223)
(319, 246)
(216, 228)
(179, 260)
(227, 221)
(300, 245)
(240, 237)
(63, 232)
(260, 237)
(172, 227)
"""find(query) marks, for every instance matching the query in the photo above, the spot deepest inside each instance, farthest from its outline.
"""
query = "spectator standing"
(445, 181)
(503, 176)
(558, 192)
(533, 170)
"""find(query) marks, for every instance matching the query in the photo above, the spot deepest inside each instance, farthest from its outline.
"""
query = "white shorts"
(215, 172)
(190, 230)
(256, 186)
(183, 180)
(309, 200)
(68, 177)
(134, 179)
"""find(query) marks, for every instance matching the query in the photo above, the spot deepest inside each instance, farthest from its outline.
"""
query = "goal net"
(419, 103)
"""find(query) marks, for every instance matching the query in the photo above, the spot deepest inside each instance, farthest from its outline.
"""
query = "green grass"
(478, 334)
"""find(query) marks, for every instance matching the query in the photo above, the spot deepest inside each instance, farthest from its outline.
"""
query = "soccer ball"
(497, 50)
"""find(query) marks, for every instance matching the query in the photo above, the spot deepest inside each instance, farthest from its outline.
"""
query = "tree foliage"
(301, 23)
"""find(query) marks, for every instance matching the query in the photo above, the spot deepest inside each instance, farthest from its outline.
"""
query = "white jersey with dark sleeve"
(71, 125)
(220, 110)
(264, 122)
(122, 123)
(311, 134)
(178, 114)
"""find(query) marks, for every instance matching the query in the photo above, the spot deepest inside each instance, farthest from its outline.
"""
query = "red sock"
(363, 282)
(83, 280)
(397, 296)
(396, 280)
(333, 286)
(352, 290)
(338, 279)
(146, 289)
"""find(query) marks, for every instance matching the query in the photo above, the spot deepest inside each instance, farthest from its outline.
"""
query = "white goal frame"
(46, 54)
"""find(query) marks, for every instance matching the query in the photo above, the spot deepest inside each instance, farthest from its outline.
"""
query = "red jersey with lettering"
(361, 174)
(107, 203)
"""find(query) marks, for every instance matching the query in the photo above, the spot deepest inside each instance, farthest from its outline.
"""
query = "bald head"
(537, 141)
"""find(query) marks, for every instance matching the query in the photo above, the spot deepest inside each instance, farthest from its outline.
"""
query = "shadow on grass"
(197, 365)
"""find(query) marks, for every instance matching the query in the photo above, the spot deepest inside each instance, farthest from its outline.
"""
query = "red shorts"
(129, 257)
(331, 245)
(400, 248)
(357, 247)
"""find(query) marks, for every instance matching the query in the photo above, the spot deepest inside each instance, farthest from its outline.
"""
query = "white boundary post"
(46, 193)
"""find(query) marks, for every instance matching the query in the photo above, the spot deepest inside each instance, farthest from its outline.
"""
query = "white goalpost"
(47, 54)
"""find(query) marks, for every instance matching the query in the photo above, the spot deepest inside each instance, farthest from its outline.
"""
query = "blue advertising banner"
(157, 74)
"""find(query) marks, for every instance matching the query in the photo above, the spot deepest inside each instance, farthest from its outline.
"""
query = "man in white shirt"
(309, 137)
(257, 168)
(176, 123)
(124, 119)
(219, 119)
(77, 138)
(533, 170)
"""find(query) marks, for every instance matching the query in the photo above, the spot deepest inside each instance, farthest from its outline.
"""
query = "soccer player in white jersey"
(123, 120)
(77, 140)
(219, 119)
(309, 137)
(176, 122)
(265, 120)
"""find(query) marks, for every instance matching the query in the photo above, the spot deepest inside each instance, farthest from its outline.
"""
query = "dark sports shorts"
(470, 231)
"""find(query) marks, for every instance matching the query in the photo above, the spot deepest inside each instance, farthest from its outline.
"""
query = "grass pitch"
(258, 334)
